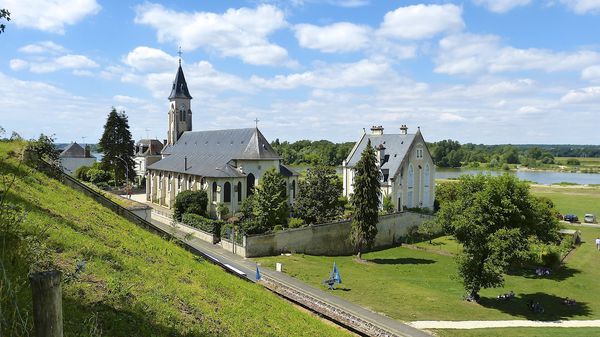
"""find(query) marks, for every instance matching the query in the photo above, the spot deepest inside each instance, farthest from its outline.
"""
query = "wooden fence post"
(47, 303)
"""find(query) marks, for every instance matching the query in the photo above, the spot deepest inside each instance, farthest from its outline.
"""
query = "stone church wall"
(332, 238)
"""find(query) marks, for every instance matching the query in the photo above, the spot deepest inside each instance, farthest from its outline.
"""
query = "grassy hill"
(134, 283)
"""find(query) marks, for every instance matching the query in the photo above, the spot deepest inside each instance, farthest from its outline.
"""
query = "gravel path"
(504, 324)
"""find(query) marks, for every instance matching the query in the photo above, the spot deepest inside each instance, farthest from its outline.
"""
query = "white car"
(589, 218)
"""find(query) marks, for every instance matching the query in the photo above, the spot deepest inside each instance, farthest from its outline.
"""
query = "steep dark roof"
(74, 151)
(396, 147)
(180, 88)
(149, 147)
(210, 153)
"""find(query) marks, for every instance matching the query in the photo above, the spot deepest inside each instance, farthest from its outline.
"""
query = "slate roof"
(74, 151)
(396, 147)
(209, 153)
(180, 88)
(153, 147)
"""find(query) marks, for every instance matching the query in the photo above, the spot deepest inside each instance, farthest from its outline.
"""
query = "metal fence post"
(47, 303)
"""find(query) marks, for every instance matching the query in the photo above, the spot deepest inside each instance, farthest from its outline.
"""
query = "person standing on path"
(598, 243)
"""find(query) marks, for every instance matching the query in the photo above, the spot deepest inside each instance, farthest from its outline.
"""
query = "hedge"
(202, 223)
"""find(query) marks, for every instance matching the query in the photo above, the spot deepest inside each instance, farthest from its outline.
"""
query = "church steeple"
(180, 112)
(180, 88)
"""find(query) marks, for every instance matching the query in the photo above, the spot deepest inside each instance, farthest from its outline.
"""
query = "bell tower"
(180, 109)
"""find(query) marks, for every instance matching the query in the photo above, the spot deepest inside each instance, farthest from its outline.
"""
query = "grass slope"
(577, 200)
(135, 283)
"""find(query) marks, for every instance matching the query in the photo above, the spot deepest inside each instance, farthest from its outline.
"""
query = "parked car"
(571, 218)
(589, 218)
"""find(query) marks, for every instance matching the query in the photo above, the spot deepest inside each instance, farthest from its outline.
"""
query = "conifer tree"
(365, 201)
(117, 145)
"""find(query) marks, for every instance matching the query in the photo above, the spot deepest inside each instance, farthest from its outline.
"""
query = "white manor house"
(228, 164)
(407, 169)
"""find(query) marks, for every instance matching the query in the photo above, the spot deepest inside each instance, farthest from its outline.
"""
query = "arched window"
(170, 182)
(179, 182)
(250, 184)
(202, 183)
(411, 182)
(214, 191)
(189, 184)
(239, 191)
(160, 181)
(227, 193)
(294, 189)
(426, 192)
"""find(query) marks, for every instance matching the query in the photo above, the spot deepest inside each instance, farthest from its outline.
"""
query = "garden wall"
(332, 238)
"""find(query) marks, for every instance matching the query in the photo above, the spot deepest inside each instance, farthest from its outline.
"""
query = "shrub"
(97, 176)
(551, 257)
(253, 226)
(222, 210)
(295, 223)
(202, 223)
(388, 205)
(573, 162)
(277, 228)
(82, 173)
(194, 202)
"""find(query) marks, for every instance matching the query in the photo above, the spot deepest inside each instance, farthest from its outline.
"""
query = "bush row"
(202, 223)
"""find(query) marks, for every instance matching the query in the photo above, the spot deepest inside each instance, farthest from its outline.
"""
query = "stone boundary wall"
(234, 248)
(331, 239)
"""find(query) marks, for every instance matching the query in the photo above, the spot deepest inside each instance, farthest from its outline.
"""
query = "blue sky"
(483, 71)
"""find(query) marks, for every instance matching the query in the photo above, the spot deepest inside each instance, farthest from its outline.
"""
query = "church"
(407, 172)
(228, 164)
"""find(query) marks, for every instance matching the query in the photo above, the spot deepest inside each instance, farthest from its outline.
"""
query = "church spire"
(180, 88)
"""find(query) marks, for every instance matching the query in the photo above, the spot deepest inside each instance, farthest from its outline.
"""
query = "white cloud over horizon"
(49, 16)
(421, 21)
(241, 33)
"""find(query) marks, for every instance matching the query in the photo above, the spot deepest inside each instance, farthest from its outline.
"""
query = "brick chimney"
(403, 129)
(377, 130)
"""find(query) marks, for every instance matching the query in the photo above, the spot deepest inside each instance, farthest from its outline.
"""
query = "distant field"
(585, 162)
(576, 200)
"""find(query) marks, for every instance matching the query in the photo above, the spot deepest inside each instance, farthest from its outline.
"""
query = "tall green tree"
(117, 146)
(365, 201)
(318, 198)
(4, 14)
(270, 200)
(494, 218)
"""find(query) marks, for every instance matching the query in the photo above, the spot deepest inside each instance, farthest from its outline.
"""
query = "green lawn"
(134, 282)
(577, 200)
(530, 332)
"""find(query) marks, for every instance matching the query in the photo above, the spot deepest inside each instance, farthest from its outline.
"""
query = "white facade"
(408, 177)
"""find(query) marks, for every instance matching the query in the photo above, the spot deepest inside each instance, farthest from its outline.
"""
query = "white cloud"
(583, 6)
(202, 79)
(583, 95)
(501, 6)
(43, 47)
(591, 73)
(127, 99)
(337, 37)
(150, 59)
(340, 3)
(421, 21)
(18, 64)
(54, 64)
(82, 73)
(49, 15)
(241, 33)
(450, 117)
(471, 53)
(359, 74)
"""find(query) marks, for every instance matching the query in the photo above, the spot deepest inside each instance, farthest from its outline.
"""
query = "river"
(540, 177)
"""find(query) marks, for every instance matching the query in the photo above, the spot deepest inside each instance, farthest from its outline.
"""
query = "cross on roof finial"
(256, 122)
(179, 53)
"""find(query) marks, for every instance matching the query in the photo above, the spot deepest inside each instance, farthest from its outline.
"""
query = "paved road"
(249, 268)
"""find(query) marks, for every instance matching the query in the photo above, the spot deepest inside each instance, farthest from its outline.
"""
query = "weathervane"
(179, 53)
